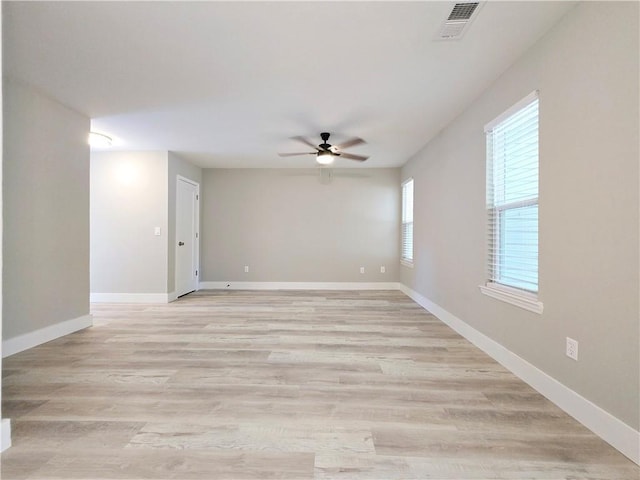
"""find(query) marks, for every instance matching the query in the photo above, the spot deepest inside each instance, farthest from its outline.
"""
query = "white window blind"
(407, 222)
(512, 196)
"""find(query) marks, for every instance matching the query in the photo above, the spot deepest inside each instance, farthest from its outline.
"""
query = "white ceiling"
(226, 84)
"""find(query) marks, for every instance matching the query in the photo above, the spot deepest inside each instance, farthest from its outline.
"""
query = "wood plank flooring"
(283, 385)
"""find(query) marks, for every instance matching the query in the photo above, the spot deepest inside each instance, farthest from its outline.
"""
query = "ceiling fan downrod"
(325, 138)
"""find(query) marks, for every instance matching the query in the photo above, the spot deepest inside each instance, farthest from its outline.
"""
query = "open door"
(187, 241)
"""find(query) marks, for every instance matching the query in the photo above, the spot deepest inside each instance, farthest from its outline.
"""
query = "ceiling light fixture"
(99, 140)
(325, 157)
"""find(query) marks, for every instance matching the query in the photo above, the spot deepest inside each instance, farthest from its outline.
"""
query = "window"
(406, 255)
(512, 205)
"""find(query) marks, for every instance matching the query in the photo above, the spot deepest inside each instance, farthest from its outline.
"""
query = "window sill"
(406, 263)
(528, 301)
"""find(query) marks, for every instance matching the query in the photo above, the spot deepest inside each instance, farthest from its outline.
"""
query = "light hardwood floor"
(289, 385)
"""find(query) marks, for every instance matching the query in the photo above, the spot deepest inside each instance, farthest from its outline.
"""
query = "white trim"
(510, 111)
(44, 335)
(5, 434)
(299, 286)
(131, 297)
(406, 263)
(519, 298)
(188, 180)
(614, 431)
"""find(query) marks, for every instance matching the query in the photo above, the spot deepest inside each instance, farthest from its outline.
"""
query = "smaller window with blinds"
(512, 205)
(406, 254)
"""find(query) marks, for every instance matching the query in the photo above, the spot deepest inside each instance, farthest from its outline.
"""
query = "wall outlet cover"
(572, 348)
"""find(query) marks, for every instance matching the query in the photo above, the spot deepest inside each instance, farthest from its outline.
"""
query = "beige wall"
(1, 168)
(586, 69)
(46, 215)
(131, 194)
(128, 200)
(287, 226)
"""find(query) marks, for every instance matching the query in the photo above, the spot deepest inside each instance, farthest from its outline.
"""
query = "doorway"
(187, 236)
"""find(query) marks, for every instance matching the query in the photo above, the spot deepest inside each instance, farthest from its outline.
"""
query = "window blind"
(407, 221)
(512, 196)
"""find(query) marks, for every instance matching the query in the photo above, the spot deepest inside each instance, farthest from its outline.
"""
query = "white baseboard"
(132, 297)
(614, 431)
(299, 286)
(5, 434)
(44, 335)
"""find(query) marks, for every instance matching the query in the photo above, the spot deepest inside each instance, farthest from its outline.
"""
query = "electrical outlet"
(246, 269)
(382, 269)
(572, 348)
(361, 269)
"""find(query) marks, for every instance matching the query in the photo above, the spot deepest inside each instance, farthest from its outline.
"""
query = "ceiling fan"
(325, 152)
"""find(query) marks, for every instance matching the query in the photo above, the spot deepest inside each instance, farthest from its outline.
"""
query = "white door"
(187, 199)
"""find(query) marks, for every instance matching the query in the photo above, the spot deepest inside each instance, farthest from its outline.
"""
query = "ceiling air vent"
(458, 20)
(462, 11)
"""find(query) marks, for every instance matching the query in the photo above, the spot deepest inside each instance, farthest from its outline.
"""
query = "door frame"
(196, 226)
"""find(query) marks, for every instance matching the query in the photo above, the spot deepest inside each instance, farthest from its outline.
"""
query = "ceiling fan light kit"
(325, 158)
(326, 153)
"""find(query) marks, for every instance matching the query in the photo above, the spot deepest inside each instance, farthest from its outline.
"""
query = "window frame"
(406, 261)
(520, 297)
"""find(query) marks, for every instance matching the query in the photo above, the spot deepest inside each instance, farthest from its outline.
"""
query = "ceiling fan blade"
(297, 153)
(350, 143)
(305, 141)
(351, 156)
